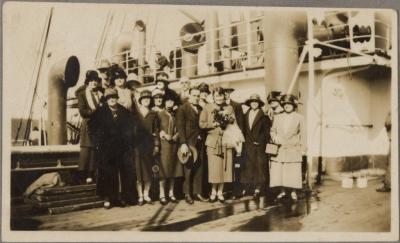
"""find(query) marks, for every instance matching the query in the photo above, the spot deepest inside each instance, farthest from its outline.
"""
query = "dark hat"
(229, 90)
(255, 97)
(189, 157)
(119, 73)
(104, 65)
(274, 96)
(203, 87)
(92, 75)
(288, 99)
(144, 94)
(110, 93)
(162, 76)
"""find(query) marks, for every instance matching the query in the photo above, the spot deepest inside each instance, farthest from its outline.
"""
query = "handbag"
(272, 149)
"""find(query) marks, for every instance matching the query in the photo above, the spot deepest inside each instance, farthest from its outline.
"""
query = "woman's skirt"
(286, 174)
(220, 168)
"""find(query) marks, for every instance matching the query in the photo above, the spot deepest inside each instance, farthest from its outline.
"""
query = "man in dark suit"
(239, 116)
(189, 132)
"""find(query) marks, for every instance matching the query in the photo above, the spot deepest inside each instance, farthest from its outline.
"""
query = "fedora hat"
(191, 156)
(104, 65)
(288, 99)
(144, 94)
(255, 97)
(274, 96)
(203, 87)
(92, 75)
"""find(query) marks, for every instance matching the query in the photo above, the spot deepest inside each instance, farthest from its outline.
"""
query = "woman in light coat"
(288, 132)
(219, 157)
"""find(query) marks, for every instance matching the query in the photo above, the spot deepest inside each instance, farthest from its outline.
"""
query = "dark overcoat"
(256, 138)
(114, 142)
(87, 160)
(147, 137)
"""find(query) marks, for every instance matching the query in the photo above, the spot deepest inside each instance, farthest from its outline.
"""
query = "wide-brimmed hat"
(190, 157)
(118, 72)
(254, 97)
(203, 87)
(132, 81)
(274, 96)
(92, 75)
(288, 99)
(110, 93)
(229, 90)
(157, 92)
(144, 94)
(104, 65)
(162, 77)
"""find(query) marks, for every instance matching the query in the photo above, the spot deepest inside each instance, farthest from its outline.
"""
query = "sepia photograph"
(179, 123)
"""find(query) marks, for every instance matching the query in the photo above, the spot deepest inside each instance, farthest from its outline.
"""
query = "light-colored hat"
(190, 156)
(157, 92)
(104, 64)
(255, 97)
(184, 79)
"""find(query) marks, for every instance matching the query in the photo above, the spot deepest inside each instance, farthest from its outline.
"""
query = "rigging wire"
(98, 52)
(29, 123)
(38, 50)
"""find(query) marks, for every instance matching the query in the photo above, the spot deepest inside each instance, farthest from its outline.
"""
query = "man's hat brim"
(190, 157)
(254, 100)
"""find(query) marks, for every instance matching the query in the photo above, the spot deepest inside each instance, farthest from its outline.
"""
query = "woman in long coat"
(113, 129)
(256, 134)
(148, 146)
(220, 168)
(89, 100)
(170, 168)
(288, 131)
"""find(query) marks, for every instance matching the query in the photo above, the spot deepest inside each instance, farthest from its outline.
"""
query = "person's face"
(219, 98)
(288, 107)
(145, 102)
(185, 85)
(227, 95)
(169, 104)
(274, 104)
(112, 101)
(119, 82)
(194, 96)
(93, 84)
(158, 100)
(160, 85)
(254, 105)
(203, 95)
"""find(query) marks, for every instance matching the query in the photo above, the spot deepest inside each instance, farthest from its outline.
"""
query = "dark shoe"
(140, 201)
(221, 199)
(163, 201)
(383, 189)
(121, 203)
(148, 200)
(189, 199)
(173, 199)
(256, 196)
(213, 198)
(201, 198)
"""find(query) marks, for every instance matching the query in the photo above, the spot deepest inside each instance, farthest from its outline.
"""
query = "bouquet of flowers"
(223, 117)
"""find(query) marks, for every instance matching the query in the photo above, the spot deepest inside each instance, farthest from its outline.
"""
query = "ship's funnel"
(192, 37)
(63, 75)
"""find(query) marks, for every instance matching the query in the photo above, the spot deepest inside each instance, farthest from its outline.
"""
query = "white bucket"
(347, 182)
(362, 182)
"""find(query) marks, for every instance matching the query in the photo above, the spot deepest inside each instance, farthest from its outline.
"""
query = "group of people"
(128, 138)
